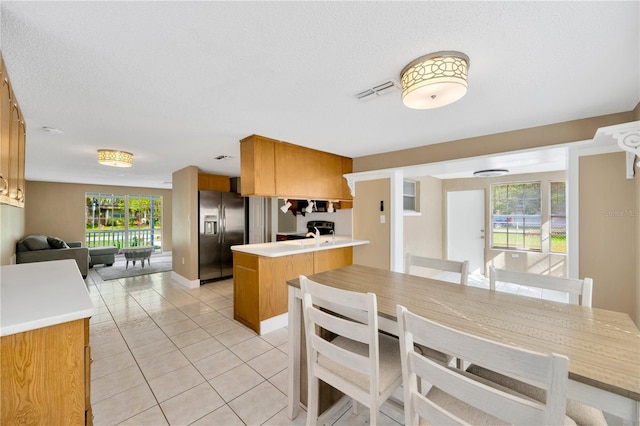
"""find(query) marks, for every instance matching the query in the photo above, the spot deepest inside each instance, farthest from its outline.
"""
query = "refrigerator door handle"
(224, 221)
(221, 223)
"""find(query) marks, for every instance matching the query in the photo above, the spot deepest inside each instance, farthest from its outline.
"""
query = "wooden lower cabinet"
(46, 376)
(260, 288)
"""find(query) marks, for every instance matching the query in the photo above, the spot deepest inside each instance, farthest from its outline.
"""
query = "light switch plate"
(382, 219)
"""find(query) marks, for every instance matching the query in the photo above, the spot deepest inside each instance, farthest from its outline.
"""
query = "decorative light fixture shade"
(114, 158)
(435, 80)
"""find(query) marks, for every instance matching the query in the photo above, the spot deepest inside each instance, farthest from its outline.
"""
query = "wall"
(553, 134)
(608, 218)
(11, 230)
(58, 209)
(423, 234)
(342, 219)
(185, 226)
(542, 262)
(367, 226)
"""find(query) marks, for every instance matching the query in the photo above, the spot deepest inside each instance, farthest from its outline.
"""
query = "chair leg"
(312, 402)
(373, 415)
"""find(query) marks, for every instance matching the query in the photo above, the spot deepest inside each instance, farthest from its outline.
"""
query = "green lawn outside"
(531, 242)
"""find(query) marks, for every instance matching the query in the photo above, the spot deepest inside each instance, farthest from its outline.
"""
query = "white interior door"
(465, 228)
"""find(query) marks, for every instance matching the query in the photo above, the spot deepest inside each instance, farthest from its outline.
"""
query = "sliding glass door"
(123, 220)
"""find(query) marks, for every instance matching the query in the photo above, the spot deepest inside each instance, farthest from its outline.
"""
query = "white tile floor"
(164, 354)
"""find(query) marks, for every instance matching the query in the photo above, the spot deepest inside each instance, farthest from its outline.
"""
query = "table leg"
(127, 265)
(295, 320)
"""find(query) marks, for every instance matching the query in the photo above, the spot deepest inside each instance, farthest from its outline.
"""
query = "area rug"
(119, 269)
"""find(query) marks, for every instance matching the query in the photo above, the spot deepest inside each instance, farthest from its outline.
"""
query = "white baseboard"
(185, 282)
(274, 323)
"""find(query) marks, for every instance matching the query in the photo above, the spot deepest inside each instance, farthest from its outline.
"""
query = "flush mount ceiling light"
(490, 172)
(115, 158)
(435, 80)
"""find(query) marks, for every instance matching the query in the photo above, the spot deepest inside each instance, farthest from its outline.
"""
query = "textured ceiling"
(179, 83)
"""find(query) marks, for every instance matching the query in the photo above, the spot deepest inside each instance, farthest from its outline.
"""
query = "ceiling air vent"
(378, 90)
(223, 157)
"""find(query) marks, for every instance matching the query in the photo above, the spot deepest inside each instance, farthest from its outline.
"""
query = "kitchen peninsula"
(261, 271)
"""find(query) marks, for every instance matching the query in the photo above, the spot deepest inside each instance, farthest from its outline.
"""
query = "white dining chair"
(578, 290)
(460, 267)
(360, 362)
(458, 397)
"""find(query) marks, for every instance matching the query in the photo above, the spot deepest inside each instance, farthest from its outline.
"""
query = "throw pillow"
(36, 242)
(57, 243)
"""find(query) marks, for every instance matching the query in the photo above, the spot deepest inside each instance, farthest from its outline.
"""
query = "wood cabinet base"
(44, 374)
(260, 283)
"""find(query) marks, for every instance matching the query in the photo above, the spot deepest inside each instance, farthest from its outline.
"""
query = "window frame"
(415, 197)
(552, 215)
(527, 232)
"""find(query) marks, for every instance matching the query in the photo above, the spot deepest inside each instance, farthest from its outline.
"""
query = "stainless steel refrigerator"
(221, 219)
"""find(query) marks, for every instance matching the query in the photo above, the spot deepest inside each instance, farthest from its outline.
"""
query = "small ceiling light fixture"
(435, 80)
(309, 207)
(490, 172)
(286, 206)
(115, 158)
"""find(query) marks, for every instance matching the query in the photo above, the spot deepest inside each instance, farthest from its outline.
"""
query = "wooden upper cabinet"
(12, 144)
(280, 169)
(209, 182)
(257, 166)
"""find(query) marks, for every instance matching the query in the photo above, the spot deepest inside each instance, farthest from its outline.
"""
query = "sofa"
(42, 248)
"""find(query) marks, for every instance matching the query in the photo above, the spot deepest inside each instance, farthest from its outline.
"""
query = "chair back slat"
(341, 326)
(460, 267)
(547, 371)
(579, 290)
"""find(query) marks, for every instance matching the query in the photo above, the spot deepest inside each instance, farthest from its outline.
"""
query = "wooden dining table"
(603, 346)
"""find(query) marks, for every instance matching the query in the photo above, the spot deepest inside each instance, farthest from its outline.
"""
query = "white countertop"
(41, 294)
(286, 248)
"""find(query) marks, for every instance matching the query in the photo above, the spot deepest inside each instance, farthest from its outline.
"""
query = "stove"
(325, 227)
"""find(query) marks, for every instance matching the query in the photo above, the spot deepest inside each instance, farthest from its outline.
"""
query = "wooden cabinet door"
(22, 154)
(257, 166)
(5, 128)
(43, 379)
(14, 132)
(246, 290)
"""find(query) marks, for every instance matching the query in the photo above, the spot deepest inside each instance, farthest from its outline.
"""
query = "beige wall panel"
(12, 229)
(423, 234)
(608, 220)
(57, 209)
(534, 137)
(542, 262)
(367, 226)
(185, 226)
